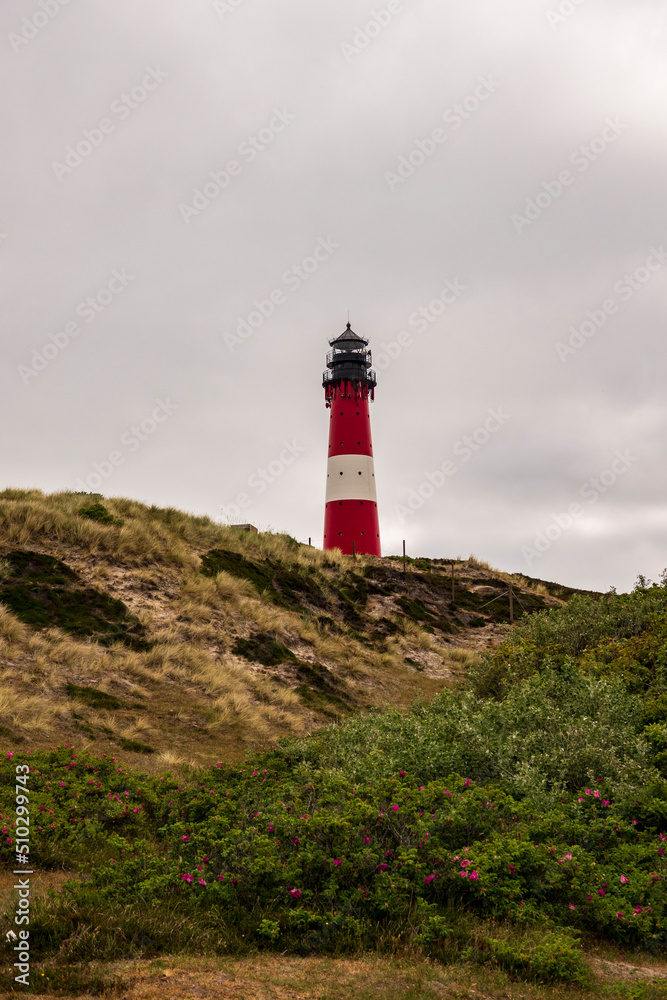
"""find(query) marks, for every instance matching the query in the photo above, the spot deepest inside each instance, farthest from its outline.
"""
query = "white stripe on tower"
(351, 477)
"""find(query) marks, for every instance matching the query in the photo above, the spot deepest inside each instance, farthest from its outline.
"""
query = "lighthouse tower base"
(352, 526)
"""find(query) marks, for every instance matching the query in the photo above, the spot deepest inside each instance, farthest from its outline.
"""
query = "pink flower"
(337, 861)
(466, 783)
(295, 893)
(661, 851)
(567, 857)
(382, 867)
(588, 791)
(395, 808)
(511, 869)
(221, 878)
(464, 873)
(401, 774)
(474, 876)
(623, 879)
(580, 800)
(295, 840)
(202, 881)
(367, 840)
(234, 881)
(601, 892)
(638, 909)
(571, 906)
(465, 863)
(589, 896)
(619, 915)
(187, 878)
(605, 802)
(428, 879)
(634, 821)
(185, 839)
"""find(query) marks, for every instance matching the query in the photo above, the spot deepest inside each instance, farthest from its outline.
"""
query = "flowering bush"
(274, 838)
(542, 812)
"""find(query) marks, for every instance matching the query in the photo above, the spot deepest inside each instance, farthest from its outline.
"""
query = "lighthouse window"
(362, 532)
(358, 442)
(340, 532)
(358, 473)
(340, 473)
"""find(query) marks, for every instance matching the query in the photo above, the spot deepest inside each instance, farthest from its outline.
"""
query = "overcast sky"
(194, 194)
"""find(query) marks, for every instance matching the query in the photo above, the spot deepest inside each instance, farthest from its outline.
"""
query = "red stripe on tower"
(351, 510)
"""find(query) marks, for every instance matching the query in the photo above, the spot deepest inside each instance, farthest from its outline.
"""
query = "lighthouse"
(350, 510)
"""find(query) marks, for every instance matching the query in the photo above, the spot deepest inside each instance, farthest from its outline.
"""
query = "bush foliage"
(497, 824)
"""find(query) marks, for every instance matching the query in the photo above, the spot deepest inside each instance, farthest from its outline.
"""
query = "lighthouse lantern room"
(351, 510)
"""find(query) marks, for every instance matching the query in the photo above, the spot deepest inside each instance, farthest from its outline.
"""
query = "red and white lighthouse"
(351, 510)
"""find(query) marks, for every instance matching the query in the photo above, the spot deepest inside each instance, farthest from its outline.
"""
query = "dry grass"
(189, 695)
(464, 657)
(358, 977)
(12, 630)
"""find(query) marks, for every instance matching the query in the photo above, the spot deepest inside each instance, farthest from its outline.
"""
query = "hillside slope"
(164, 637)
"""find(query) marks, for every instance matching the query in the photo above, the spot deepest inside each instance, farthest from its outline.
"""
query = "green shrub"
(284, 586)
(337, 863)
(553, 955)
(537, 812)
(555, 732)
(98, 512)
(44, 592)
(222, 560)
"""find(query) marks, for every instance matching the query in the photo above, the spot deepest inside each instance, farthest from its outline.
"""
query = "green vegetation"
(192, 596)
(263, 649)
(43, 592)
(502, 825)
(98, 512)
(93, 696)
(285, 586)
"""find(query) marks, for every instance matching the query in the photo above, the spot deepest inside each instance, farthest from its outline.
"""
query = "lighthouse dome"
(349, 340)
(349, 360)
